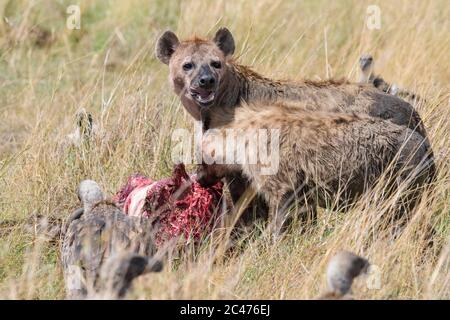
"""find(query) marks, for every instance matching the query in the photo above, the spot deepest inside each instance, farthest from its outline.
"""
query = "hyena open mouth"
(203, 96)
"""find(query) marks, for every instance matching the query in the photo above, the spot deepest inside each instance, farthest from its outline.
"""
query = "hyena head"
(197, 67)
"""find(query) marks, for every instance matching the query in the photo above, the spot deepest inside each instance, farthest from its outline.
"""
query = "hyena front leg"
(278, 210)
(286, 206)
(256, 210)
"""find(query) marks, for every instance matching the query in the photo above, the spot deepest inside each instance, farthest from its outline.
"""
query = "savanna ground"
(108, 67)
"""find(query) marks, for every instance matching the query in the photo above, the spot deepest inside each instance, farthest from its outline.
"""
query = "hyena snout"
(204, 85)
(206, 80)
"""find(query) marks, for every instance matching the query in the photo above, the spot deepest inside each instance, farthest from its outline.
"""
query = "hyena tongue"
(203, 93)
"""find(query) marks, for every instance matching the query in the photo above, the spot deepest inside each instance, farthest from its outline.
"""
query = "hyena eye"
(187, 66)
(216, 64)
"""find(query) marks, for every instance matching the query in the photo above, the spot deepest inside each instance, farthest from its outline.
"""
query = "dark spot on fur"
(178, 83)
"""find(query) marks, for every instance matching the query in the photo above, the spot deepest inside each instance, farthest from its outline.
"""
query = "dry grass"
(108, 67)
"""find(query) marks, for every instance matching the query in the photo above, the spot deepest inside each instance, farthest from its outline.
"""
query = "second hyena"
(324, 157)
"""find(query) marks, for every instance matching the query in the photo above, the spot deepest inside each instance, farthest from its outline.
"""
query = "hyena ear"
(224, 40)
(165, 46)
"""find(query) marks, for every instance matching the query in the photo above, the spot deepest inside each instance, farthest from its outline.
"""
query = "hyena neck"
(254, 87)
(244, 84)
(241, 84)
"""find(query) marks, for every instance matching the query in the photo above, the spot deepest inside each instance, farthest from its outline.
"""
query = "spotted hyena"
(213, 86)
